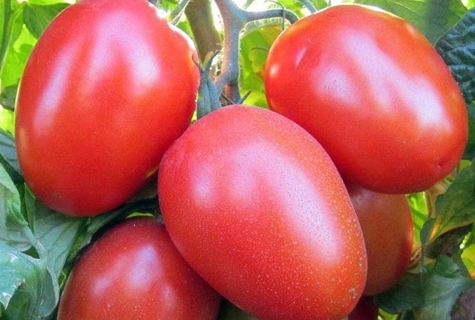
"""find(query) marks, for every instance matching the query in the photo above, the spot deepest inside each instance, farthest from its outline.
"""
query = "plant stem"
(234, 20)
(200, 17)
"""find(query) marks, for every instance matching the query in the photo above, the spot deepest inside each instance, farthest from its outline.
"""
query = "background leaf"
(456, 207)
(432, 18)
(38, 16)
(457, 48)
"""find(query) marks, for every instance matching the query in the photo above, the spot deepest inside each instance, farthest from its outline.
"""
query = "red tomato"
(388, 230)
(258, 209)
(133, 271)
(108, 87)
(374, 93)
(364, 310)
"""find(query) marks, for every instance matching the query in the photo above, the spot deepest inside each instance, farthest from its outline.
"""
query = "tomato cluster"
(297, 212)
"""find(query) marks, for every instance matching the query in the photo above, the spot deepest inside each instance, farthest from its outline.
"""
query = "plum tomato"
(256, 206)
(374, 92)
(107, 88)
(388, 230)
(133, 271)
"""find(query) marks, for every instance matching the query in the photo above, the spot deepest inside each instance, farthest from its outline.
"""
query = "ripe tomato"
(133, 271)
(258, 209)
(388, 230)
(108, 87)
(374, 92)
(364, 310)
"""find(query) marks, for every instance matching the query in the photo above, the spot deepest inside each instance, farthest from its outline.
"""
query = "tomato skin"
(388, 229)
(108, 87)
(257, 208)
(133, 271)
(374, 92)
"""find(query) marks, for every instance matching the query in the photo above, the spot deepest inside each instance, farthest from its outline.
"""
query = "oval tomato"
(133, 271)
(258, 209)
(388, 230)
(374, 92)
(108, 87)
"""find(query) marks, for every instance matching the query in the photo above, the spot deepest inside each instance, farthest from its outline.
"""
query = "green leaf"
(18, 49)
(37, 17)
(432, 18)
(469, 152)
(445, 282)
(456, 207)
(56, 232)
(408, 294)
(8, 156)
(255, 45)
(13, 226)
(24, 286)
(457, 48)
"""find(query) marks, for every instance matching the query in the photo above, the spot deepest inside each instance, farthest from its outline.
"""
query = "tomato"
(374, 92)
(256, 206)
(388, 230)
(108, 87)
(133, 271)
(364, 310)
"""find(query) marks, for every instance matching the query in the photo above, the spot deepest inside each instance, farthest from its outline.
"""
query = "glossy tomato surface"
(108, 87)
(133, 271)
(388, 230)
(258, 209)
(374, 92)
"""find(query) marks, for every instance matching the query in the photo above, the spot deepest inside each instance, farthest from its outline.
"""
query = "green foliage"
(432, 18)
(457, 48)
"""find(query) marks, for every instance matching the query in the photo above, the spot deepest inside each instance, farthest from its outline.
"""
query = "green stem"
(200, 18)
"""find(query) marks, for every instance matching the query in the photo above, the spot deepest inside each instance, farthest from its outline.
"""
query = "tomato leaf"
(408, 294)
(12, 222)
(56, 232)
(457, 48)
(432, 18)
(456, 207)
(8, 157)
(470, 148)
(25, 285)
(37, 17)
(255, 45)
(444, 284)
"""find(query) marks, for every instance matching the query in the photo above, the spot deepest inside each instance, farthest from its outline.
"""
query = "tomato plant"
(99, 103)
(387, 226)
(372, 76)
(94, 117)
(257, 208)
(133, 271)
